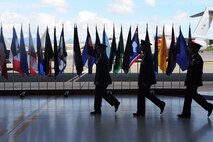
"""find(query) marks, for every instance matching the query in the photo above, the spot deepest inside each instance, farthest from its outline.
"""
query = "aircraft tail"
(204, 23)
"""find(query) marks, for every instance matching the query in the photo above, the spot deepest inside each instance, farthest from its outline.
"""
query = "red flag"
(3, 51)
(15, 49)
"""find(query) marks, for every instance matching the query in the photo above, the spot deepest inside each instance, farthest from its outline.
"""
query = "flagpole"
(113, 80)
(72, 66)
(130, 78)
(122, 79)
(13, 75)
(55, 53)
(171, 79)
(179, 76)
(48, 70)
(88, 70)
(30, 58)
(5, 58)
(171, 72)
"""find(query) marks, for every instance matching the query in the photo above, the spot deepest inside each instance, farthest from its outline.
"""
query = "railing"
(70, 81)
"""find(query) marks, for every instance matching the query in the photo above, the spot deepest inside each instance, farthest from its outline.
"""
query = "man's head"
(101, 48)
(194, 48)
(145, 46)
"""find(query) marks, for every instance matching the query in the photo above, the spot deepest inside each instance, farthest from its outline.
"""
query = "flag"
(182, 55)
(48, 55)
(56, 66)
(113, 50)
(148, 41)
(77, 52)
(15, 50)
(155, 57)
(62, 53)
(106, 42)
(136, 51)
(97, 41)
(127, 53)
(163, 53)
(40, 54)
(189, 37)
(172, 55)
(88, 57)
(3, 53)
(32, 54)
(23, 55)
(119, 54)
(189, 41)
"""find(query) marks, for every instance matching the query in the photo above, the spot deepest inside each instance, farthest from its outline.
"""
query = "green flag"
(119, 54)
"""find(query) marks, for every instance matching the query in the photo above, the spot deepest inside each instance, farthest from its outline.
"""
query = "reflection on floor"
(58, 119)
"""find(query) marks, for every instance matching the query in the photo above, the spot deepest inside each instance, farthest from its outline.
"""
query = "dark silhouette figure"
(193, 81)
(102, 80)
(145, 80)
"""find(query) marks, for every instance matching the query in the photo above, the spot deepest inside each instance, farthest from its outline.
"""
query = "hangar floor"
(59, 119)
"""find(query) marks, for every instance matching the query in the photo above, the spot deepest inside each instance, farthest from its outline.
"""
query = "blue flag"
(135, 48)
(23, 55)
(106, 42)
(88, 53)
(155, 57)
(40, 55)
(182, 56)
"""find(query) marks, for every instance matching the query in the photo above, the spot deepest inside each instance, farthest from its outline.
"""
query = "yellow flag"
(163, 53)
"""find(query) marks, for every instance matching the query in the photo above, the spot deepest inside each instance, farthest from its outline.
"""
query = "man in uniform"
(193, 81)
(145, 80)
(102, 80)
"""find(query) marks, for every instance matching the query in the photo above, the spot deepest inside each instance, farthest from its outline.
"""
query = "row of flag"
(119, 58)
(40, 61)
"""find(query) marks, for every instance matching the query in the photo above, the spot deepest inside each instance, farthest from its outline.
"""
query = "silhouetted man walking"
(102, 80)
(145, 80)
(193, 81)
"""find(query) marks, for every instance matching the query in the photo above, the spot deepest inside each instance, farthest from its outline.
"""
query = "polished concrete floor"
(58, 119)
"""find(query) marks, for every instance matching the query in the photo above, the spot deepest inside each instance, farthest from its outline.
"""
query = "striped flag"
(32, 54)
(15, 50)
